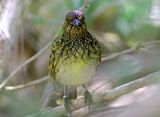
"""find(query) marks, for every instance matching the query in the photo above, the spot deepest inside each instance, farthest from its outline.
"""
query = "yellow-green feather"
(74, 56)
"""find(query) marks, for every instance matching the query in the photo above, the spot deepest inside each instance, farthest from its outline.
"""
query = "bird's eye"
(80, 16)
(69, 16)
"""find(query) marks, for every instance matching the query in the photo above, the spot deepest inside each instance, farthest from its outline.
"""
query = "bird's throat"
(75, 31)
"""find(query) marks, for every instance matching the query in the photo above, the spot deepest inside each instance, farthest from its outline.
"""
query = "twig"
(86, 2)
(128, 51)
(22, 86)
(23, 65)
(151, 42)
(37, 81)
(107, 96)
(85, 5)
(27, 62)
(118, 54)
(103, 59)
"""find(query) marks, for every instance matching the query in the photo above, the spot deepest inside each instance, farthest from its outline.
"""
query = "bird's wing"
(57, 48)
(53, 60)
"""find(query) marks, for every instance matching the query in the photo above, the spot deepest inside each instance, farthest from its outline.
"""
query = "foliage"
(117, 24)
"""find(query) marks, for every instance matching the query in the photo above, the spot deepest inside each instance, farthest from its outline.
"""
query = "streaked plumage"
(75, 54)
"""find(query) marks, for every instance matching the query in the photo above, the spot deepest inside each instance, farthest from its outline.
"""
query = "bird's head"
(75, 18)
(74, 24)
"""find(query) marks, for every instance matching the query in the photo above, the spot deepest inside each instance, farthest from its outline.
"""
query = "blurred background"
(26, 26)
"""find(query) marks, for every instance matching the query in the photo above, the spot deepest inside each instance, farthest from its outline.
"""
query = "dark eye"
(80, 16)
(69, 16)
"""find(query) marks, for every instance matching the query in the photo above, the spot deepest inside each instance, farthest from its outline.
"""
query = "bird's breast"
(75, 72)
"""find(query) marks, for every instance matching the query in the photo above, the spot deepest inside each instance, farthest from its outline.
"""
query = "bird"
(74, 57)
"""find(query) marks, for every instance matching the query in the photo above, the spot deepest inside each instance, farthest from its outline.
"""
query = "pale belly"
(75, 73)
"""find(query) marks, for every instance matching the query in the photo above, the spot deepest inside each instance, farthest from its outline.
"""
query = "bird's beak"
(76, 22)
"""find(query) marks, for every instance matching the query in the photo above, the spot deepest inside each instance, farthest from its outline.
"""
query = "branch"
(36, 82)
(22, 86)
(27, 62)
(118, 54)
(23, 65)
(103, 59)
(107, 96)
(129, 50)
(85, 5)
